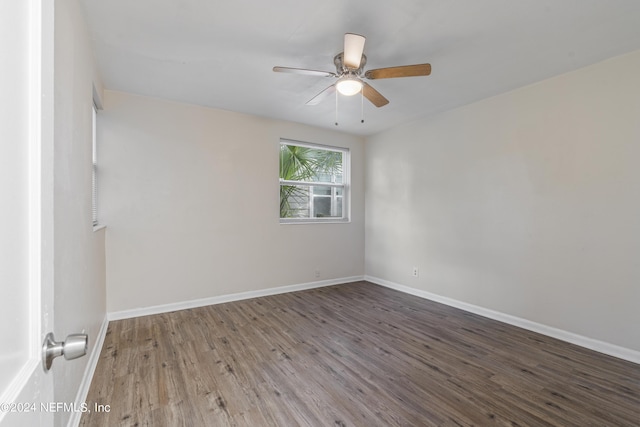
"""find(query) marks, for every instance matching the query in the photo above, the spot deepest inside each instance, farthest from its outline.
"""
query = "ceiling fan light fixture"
(348, 85)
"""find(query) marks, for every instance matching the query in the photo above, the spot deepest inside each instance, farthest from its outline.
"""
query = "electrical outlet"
(415, 272)
(317, 272)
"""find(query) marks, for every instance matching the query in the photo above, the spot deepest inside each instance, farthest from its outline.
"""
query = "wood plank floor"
(351, 355)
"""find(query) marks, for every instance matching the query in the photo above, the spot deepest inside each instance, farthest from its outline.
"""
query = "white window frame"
(94, 171)
(345, 186)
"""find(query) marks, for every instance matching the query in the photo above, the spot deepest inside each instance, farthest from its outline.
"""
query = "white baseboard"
(590, 343)
(83, 390)
(165, 308)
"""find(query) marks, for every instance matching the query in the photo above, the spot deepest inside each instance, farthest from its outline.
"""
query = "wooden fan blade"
(353, 49)
(373, 95)
(322, 95)
(304, 71)
(402, 71)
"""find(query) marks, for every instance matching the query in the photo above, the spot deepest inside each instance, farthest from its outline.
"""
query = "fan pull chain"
(362, 105)
(336, 108)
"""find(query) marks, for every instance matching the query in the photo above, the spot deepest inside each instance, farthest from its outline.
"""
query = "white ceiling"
(221, 53)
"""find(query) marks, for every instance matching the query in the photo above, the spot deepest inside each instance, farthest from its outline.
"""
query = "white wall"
(527, 203)
(190, 196)
(79, 259)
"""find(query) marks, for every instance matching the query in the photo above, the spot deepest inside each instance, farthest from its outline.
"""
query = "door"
(26, 210)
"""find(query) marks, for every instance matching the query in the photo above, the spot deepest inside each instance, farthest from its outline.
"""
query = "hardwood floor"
(351, 355)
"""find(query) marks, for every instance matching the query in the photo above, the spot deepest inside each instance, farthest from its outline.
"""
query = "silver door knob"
(73, 347)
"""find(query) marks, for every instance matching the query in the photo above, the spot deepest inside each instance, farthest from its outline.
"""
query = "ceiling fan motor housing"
(341, 69)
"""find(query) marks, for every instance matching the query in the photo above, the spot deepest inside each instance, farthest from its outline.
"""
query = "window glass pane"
(322, 207)
(310, 164)
(325, 202)
(320, 191)
(294, 201)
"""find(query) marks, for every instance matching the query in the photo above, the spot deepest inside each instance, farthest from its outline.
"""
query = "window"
(314, 183)
(94, 183)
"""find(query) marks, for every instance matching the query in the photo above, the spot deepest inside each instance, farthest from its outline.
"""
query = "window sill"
(98, 227)
(306, 221)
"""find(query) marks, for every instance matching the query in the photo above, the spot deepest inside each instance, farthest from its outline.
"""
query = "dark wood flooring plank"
(351, 355)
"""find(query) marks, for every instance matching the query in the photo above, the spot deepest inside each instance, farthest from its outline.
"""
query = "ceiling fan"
(349, 73)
